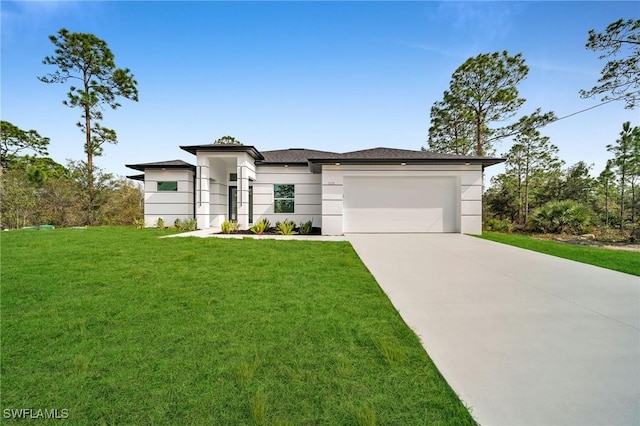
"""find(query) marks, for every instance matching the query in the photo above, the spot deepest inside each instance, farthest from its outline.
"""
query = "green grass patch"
(618, 260)
(118, 326)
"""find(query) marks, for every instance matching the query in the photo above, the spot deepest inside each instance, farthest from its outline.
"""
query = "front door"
(233, 203)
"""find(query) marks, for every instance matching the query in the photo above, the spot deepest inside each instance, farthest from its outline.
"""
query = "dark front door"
(233, 203)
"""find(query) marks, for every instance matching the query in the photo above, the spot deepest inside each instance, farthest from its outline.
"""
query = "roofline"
(142, 167)
(136, 177)
(283, 163)
(249, 149)
(484, 161)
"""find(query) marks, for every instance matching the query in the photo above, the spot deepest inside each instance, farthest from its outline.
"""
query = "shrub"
(138, 223)
(286, 228)
(499, 225)
(306, 227)
(560, 216)
(229, 226)
(188, 224)
(160, 223)
(260, 227)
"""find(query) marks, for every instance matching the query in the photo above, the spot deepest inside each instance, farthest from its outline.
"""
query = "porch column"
(203, 217)
(243, 196)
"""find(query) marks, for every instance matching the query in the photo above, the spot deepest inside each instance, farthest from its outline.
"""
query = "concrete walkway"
(522, 337)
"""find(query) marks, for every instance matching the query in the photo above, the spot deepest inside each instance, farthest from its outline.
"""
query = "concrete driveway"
(522, 337)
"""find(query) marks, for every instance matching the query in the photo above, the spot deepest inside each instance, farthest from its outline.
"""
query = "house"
(373, 190)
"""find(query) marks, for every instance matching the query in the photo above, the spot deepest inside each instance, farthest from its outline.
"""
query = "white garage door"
(400, 204)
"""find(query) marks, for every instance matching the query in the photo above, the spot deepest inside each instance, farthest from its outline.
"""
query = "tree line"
(37, 190)
(536, 193)
(482, 107)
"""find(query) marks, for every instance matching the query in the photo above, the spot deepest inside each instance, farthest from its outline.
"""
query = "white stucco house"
(373, 190)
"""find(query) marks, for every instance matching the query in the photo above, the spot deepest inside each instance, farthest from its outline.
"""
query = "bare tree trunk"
(633, 201)
(606, 204)
(622, 182)
(89, 148)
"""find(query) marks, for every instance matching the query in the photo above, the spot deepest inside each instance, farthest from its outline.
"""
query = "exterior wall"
(469, 193)
(169, 205)
(308, 194)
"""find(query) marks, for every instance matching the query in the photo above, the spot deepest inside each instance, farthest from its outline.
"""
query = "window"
(283, 198)
(167, 186)
(233, 177)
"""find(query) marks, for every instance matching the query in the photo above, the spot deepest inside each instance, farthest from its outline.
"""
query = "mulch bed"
(272, 231)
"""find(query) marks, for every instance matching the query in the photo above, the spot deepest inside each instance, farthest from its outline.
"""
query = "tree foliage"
(38, 190)
(227, 140)
(14, 140)
(450, 131)
(611, 199)
(530, 160)
(578, 184)
(620, 77)
(482, 97)
(626, 158)
(87, 59)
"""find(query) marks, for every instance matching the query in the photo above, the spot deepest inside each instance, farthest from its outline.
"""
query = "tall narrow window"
(283, 198)
(167, 186)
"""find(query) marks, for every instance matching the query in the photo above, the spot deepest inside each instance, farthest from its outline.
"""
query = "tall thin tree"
(87, 59)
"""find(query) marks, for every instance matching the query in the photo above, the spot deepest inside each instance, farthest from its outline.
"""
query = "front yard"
(120, 327)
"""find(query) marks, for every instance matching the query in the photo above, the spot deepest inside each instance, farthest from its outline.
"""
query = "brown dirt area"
(589, 240)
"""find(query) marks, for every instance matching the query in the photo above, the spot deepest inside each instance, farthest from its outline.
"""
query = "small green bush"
(306, 227)
(498, 225)
(229, 226)
(260, 227)
(556, 217)
(189, 224)
(160, 223)
(286, 228)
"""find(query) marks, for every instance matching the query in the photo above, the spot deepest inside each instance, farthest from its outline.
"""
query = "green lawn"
(618, 260)
(120, 327)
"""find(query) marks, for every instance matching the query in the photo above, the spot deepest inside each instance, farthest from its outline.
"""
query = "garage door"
(400, 204)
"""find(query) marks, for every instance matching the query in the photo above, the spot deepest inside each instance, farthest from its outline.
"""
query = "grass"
(618, 260)
(120, 327)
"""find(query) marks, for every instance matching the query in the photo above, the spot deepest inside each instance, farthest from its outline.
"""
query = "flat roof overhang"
(249, 149)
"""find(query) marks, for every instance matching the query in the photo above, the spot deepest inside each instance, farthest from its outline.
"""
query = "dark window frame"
(167, 186)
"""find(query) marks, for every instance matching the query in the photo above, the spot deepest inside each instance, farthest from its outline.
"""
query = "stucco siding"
(308, 194)
(168, 205)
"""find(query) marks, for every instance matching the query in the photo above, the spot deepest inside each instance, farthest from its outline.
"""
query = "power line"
(581, 111)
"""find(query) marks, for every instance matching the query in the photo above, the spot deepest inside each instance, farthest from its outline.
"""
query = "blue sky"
(335, 76)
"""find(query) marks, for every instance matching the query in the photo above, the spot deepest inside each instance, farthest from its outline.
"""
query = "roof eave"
(143, 167)
(249, 149)
(485, 162)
